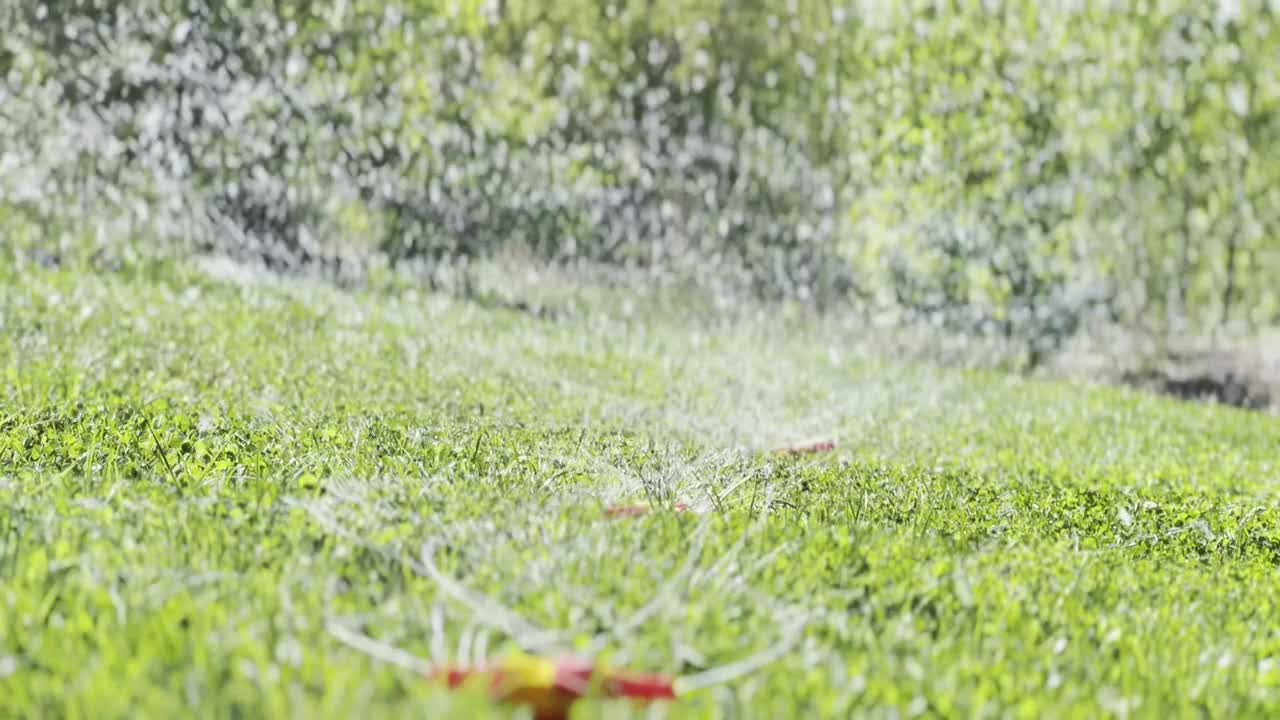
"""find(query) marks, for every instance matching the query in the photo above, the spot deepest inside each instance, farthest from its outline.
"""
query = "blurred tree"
(1009, 168)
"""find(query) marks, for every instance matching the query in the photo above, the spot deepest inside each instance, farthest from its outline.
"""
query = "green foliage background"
(1012, 168)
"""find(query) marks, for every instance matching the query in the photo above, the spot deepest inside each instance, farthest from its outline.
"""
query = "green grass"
(198, 478)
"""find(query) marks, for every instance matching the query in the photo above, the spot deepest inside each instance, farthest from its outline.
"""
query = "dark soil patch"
(1224, 385)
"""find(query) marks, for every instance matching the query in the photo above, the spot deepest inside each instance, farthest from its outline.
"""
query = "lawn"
(204, 484)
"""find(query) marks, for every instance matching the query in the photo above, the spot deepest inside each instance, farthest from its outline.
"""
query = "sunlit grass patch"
(199, 479)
